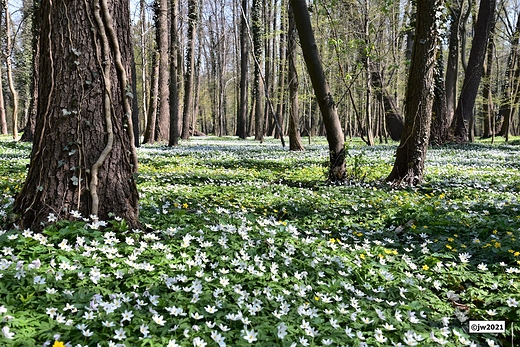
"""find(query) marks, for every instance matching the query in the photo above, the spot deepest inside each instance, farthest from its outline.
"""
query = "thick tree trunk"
(83, 157)
(175, 119)
(295, 141)
(190, 70)
(162, 129)
(322, 91)
(411, 153)
(244, 72)
(464, 111)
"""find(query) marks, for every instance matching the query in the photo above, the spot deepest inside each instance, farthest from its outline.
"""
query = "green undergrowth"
(246, 244)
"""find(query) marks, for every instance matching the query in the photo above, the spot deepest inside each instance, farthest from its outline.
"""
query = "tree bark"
(83, 156)
(411, 153)
(440, 127)
(295, 141)
(473, 75)
(162, 129)
(321, 90)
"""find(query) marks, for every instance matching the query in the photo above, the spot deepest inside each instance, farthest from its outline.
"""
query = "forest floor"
(245, 244)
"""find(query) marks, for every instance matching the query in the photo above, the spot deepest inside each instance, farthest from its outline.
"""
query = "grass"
(246, 245)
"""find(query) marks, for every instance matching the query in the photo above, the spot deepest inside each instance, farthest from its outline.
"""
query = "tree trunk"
(3, 115)
(175, 119)
(190, 68)
(258, 87)
(83, 157)
(393, 119)
(439, 127)
(30, 125)
(321, 90)
(452, 67)
(162, 129)
(10, 77)
(149, 133)
(411, 153)
(510, 85)
(487, 95)
(244, 72)
(464, 111)
(295, 141)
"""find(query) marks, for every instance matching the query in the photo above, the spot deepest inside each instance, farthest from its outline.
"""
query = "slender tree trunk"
(175, 119)
(368, 85)
(162, 129)
(244, 73)
(83, 157)
(258, 85)
(452, 67)
(393, 119)
(464, 111)
(510, 83)
(30, 125)
(295, 142)
(144, 64)
(10, 78)
(3, 115)
(440, 127)
(322, 91)
(411, 153)
(190, 65)
(149, 133)
(487, 95)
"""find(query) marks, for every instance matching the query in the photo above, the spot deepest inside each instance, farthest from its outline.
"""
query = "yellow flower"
(450, 239)
(317, 298)
(425, 267)
(516, 254)
(449, 247)
(497, 245)
(185, 205)
(362, 256)
(58, 344)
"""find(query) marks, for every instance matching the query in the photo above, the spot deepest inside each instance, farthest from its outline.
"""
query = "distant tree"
(411, 153)
(464, 117)
(83, 156)
(322, 91)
